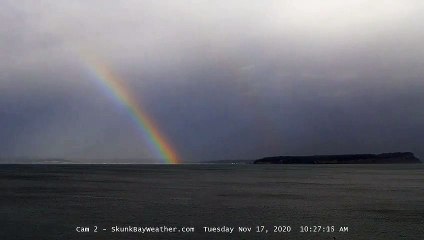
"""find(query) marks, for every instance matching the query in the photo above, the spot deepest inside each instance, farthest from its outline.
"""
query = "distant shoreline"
(383, 158)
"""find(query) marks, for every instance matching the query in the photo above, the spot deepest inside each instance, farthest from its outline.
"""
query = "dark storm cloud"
(223, 79)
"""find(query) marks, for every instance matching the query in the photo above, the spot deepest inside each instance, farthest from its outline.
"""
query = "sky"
(219, 79)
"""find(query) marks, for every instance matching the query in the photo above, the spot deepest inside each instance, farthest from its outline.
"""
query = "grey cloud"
(223, 79)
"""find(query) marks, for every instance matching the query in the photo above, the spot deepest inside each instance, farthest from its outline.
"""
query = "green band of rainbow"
(111, 81)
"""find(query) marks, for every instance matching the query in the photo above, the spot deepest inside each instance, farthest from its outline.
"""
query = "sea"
(212, 201)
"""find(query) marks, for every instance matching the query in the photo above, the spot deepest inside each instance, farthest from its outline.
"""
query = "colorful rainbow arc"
(113, 83)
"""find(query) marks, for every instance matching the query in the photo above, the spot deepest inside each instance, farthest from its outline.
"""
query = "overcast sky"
(226, 79)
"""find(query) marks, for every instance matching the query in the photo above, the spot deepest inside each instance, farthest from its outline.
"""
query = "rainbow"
(113, 84)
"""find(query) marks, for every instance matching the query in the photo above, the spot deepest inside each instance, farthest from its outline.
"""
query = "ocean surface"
(312, 201)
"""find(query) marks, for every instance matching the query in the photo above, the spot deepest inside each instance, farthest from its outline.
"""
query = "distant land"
(232, 161)
(383, 158)
(29, 160)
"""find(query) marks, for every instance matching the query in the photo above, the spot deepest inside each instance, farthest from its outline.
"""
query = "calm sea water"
(373, 201)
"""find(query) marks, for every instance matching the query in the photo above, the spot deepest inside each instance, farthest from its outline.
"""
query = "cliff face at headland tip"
(384, 158)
